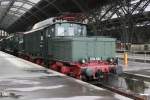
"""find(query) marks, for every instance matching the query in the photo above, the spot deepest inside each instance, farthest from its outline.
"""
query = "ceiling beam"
(79, 6)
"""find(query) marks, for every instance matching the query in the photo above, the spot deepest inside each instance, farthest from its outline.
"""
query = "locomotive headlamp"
(111, 60)
(97, 58)
(83, 61)
(71, 25)
(92, 58)
(79, 30)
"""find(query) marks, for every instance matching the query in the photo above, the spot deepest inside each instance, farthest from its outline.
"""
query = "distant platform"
(136, 57)
(23, 80)
(143, 74)
(134, 66)
(135, 69)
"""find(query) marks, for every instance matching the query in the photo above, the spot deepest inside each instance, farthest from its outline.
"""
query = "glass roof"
(12, 10)
(133, 3)
(15, 8)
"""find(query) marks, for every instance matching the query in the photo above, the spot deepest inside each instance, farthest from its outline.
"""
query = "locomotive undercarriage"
(89, 70)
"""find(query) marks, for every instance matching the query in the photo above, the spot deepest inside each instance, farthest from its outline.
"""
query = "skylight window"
(14, 13)
(5, 3)
(14, 9)
(148, 8)
(18, 4)
(114, 16)
(35, 1)
(18, 15)
(22, 11)
(134, 1)
(27, 6)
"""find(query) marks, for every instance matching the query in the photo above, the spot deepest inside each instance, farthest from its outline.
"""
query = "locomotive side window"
(42, 37)
(80, 30)
(20, 39)
(48, 32)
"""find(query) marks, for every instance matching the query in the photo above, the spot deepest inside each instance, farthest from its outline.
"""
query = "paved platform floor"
(23, 80)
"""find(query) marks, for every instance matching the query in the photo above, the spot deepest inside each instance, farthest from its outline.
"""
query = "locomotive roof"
(43, 24)
(53, 20)
(34, 30)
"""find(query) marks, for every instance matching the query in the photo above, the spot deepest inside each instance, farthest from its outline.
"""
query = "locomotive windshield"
(70, 29)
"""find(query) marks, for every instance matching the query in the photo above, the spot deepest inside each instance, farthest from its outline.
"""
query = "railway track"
(123, 85)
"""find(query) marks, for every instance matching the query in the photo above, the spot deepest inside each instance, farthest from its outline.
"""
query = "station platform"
(23, 80)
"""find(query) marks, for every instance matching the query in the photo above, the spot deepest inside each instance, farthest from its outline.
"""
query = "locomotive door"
(44, 46)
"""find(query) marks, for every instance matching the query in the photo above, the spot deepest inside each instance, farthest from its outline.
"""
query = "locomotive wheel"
(99, 75)
(86, 78)
(37, 61)
(65, 70)
(87, 74)
(54, 67)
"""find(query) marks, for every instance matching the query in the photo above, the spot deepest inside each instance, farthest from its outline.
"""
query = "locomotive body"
(62, 44)
(72, 49)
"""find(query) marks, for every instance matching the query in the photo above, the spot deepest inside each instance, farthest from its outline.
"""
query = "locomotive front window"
(60, 31)
(70, 29)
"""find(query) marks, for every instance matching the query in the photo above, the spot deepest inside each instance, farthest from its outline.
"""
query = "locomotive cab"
(70, 29)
